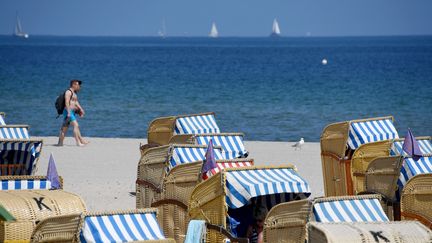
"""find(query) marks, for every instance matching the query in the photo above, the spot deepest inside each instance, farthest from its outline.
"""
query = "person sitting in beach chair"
(255, 231)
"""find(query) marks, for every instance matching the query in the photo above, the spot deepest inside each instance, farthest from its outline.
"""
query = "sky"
(233, 17)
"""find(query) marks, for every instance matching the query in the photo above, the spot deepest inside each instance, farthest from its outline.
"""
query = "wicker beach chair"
(139, 225)
(177, 189)
(368, 232)
(19, 156)
(162, 129)
(416, 199)
(155, 163)
(217, 198)
(286, 222)
(346, 143)
(231, 143)
(29, 207)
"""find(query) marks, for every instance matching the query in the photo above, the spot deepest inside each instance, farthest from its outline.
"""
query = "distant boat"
(162, 32)
(275, 30)
(214, 32)
(18, 29)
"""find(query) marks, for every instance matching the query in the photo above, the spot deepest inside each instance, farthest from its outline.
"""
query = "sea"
(269, 89)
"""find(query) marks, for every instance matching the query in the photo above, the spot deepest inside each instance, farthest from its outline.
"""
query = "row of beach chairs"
(182, 193)
(172, 191)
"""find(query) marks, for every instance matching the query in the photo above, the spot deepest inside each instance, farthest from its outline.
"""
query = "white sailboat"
(275, 29)
(18, 29)
(214, 32)
(162, 32)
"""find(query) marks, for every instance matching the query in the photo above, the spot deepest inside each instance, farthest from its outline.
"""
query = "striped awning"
(370, 131)
(196, 124)
(18, 157)
(121, 228)
(242, 185)
(182, 155)
(232, 145)
(425, 146)
(354, 210)
(223, 165)
(411, 168)
(28, 184)
(13, 132)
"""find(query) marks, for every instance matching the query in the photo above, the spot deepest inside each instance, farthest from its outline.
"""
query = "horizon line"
(227, 36)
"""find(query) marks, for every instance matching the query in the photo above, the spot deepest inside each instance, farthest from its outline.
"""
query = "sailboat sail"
(214, 32)
(275, 28)
(162, 32)
(18, 28)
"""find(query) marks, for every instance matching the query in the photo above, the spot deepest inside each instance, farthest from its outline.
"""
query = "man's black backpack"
(60, 102)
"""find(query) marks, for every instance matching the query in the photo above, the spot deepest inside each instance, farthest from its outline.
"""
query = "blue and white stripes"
(182, 155)
(411, 168)
(425, 146)
(196, 124)
(121, 228)
(232, 145)
(18, 157)
(242, 185)
(354, 210)
(13, 132)
(370, 131)
(28, 184)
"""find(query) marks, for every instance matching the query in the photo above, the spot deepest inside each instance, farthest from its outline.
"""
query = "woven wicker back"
(416, 199)
(286, 222)
(360, 161)
(61, 229)
(151, 170)
(371, 232)
(333, 146)
(207, 203)
(382, 175)
(29, 207)
(161, 130)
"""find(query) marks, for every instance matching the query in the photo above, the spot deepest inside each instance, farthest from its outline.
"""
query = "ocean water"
(270, 89)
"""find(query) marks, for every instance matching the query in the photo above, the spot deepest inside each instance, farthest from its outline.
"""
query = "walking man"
(71, 110)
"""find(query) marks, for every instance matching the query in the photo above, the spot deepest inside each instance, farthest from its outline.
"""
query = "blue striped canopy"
(425, 146)
(232, 145)
(370, 131)
(121, 228)
(182, 155)
(196, 124)
(28, 184)
(18, 157)
(353, 210)
(13, 132)
(242, 185)
(411, 168)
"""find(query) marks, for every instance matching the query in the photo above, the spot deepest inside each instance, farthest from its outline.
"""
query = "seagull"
(298, 144)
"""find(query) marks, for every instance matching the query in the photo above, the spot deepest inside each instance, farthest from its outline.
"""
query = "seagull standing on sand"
(299, 144)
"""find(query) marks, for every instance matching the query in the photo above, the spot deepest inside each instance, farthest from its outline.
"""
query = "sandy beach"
(104, 172)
